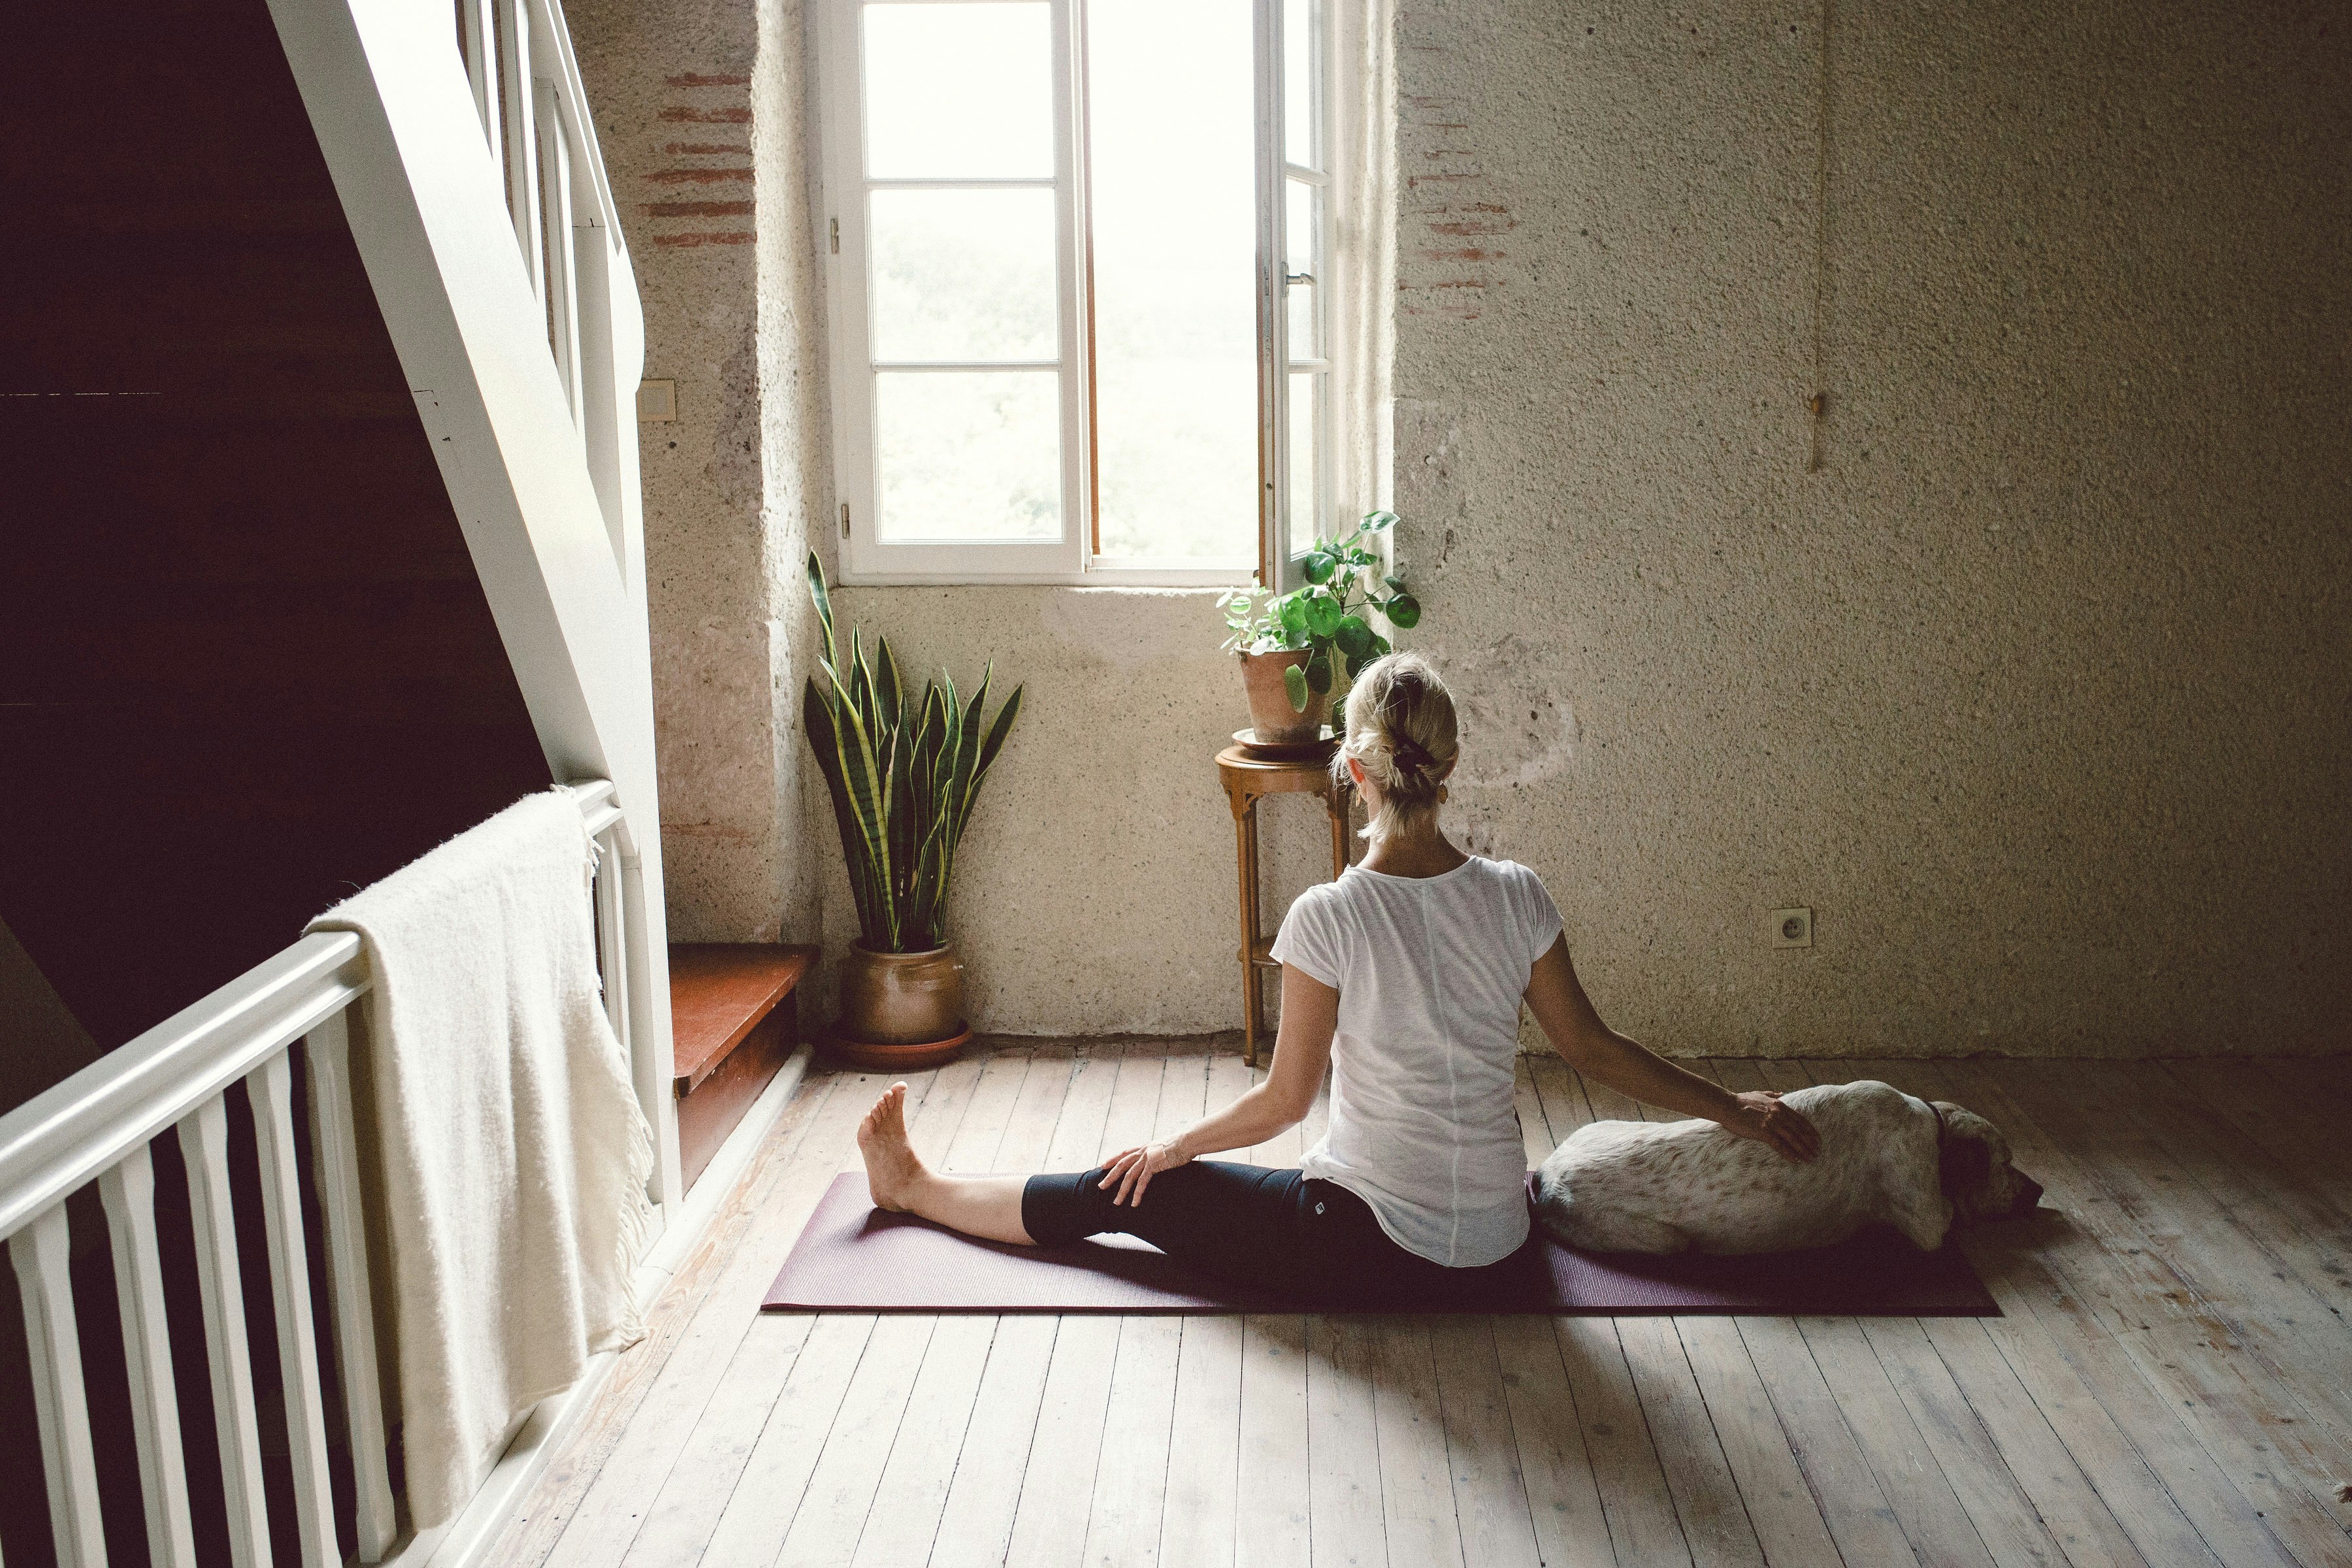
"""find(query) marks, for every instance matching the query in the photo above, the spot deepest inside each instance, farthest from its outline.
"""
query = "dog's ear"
(1964, 1166)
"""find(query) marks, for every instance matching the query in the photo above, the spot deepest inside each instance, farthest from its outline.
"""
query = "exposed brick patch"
(713, 100)
(1450, 254)
(699, 176)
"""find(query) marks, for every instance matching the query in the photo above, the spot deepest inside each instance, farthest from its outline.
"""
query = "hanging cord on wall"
(1818, 403)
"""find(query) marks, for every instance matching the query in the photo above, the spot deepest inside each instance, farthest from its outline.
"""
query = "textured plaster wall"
(2037, 692)
(1096, 891)
(700, 106)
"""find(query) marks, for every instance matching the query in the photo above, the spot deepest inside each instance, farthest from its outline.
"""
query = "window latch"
(835, 223)
(1291, 278)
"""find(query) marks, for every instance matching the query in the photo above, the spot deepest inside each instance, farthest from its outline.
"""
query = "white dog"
(1886, 1159)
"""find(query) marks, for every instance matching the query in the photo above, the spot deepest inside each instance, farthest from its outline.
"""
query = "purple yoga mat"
(852, 1257)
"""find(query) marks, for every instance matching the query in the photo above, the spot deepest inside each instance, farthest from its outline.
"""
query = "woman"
(1405, 976)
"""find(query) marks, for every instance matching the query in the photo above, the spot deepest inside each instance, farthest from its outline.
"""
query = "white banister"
(129, 1192)
(98, 1126)
(43, 1253)
(597, 811)
(536, 447)
(562, 276)
(334, 1146)
(270, 1091)
(204, 1139)
(65, 1138)
(522, 138)
(557, 63)
(478, 41)
(611, 950)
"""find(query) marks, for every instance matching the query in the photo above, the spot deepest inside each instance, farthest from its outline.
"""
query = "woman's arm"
(1557, 1000)
(1302, 1050)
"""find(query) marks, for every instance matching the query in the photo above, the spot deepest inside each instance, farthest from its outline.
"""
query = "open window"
(1084, 286)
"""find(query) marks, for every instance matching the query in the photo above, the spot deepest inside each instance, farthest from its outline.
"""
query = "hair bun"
(1401, 731)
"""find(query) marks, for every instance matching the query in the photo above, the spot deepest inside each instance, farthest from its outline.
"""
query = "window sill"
(1204, 580)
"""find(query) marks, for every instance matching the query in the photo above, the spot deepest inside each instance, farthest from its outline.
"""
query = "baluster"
(334, 1146)
(129, 1192)
(42, 1252)
(477, 32)
(562, 276)
(523, 165)
(203, 1138)
(613, 951)
(605, 409)
(270, 1086)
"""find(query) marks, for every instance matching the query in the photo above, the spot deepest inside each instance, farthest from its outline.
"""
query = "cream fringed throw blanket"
(515, 1155)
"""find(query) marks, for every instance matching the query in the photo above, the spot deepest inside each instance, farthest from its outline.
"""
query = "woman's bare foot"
(892, 1166)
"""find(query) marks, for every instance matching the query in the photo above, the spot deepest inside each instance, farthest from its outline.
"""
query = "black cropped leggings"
(1277, 1230)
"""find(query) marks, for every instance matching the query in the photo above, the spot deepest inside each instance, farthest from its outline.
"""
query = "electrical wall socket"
(1791, 927)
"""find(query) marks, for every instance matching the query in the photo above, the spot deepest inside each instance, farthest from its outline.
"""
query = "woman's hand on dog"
(1760, 1114)
(1133, 1169)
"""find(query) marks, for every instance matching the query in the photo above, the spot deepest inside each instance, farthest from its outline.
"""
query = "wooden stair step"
(734, 1021)
(719, 990)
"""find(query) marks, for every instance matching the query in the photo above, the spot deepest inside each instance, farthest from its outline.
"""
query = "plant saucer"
(1283, 751)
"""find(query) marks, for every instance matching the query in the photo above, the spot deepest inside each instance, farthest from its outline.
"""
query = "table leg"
(1245, 858)
(1258, 1030)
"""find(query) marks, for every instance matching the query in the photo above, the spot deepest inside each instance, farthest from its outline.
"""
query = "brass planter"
(1275, 720)
(900, 998)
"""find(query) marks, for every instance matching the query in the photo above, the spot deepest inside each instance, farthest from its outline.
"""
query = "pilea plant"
(1328, 617)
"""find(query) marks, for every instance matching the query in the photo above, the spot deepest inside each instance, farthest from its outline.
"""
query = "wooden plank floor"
(2171, 1384)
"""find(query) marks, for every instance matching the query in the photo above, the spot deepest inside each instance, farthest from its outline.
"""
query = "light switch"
(657, 401)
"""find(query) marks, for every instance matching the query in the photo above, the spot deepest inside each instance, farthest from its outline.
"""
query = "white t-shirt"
(1430, 972)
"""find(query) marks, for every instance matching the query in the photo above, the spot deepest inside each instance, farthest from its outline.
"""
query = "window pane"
(1175, 245)
(1306, 458)
(1304, 343)
(963, 275)
(968, 454)
(959, 90)
(1301, 41)
(1302, 231)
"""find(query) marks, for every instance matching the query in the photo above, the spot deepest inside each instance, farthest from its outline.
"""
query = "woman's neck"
(1422, 853)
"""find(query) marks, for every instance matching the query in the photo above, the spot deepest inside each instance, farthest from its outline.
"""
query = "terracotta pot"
(900, 998)
(1271, 714)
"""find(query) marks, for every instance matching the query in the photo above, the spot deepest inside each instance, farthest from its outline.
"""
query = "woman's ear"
(1356, 771)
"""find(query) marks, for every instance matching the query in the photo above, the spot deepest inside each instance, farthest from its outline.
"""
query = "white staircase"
(466, 160)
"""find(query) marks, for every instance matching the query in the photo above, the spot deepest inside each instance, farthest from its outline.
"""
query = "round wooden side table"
(1248, 778)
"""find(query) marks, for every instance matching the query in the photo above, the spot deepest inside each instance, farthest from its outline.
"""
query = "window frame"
(853, 377)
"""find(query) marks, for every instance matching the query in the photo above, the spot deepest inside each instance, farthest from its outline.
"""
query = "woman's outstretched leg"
(985, 1206)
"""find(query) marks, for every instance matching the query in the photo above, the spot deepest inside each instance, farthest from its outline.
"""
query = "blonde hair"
(1400, 727)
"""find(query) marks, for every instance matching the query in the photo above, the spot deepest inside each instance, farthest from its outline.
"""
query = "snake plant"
(903, 776)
